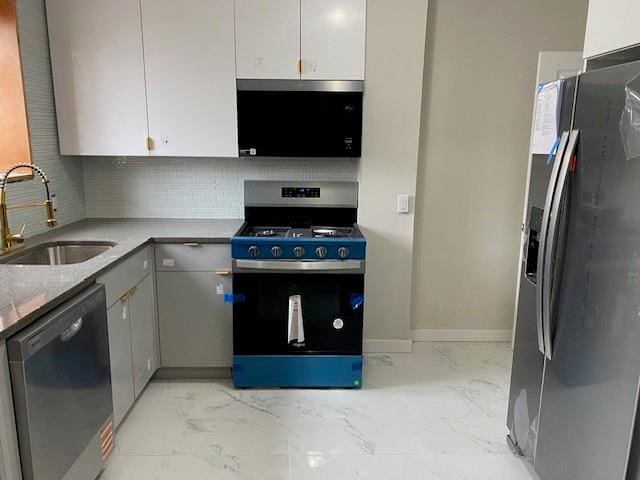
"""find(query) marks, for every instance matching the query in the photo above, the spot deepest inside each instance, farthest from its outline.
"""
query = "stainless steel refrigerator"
(576, 364)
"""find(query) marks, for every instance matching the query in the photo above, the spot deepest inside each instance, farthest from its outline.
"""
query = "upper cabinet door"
(333, 39)
(268, 38)
(611, 25)
(98, 76)
(191, 77)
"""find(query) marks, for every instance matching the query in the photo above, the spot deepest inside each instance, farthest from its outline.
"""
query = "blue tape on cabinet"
(234, 298)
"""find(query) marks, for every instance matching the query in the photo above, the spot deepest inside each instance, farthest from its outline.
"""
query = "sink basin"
(58, 253)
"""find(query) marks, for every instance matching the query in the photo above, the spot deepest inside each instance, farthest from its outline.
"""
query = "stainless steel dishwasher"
(60, 374)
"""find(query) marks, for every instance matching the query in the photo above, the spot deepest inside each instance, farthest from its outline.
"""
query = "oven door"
(332, 304)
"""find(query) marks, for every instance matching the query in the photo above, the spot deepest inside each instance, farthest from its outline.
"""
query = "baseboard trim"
(435, 335)
(387, 346)
(192, 373)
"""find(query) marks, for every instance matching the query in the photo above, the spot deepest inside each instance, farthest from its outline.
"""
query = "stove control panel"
(300, 192)
(300, 249)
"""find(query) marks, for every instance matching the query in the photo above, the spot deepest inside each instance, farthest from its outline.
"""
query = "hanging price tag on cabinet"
(220, 289)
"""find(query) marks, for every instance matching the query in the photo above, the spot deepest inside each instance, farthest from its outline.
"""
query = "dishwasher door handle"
(70, 331)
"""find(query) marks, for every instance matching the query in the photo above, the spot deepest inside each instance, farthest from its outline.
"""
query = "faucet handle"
(17, 237)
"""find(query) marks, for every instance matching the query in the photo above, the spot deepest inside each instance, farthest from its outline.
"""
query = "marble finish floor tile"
(436, 413)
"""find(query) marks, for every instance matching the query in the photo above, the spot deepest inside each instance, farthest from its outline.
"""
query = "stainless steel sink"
(57, 253)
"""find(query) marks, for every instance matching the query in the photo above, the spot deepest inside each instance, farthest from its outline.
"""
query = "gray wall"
(395, 56)
(65, 174)
(479, 85)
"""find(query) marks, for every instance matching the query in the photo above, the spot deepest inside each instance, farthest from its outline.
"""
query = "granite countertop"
(29, 291)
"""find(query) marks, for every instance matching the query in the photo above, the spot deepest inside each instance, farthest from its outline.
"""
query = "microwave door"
(299, 124)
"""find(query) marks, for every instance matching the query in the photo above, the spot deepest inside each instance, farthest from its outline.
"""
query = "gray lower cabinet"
(195, 324)
(132, 324)
(121, 359)
(143, 333)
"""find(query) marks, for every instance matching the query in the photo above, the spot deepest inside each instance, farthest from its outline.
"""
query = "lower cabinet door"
(143, 344)
(120, 354)
(195, 323)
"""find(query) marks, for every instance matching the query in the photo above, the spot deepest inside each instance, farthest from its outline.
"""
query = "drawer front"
(125, 275)
(193, 257)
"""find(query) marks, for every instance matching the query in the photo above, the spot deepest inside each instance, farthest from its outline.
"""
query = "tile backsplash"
(137, 187)
(65, 174)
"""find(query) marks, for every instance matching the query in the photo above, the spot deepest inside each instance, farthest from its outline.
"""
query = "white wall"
(192, 187)
(478, 95)
(65, 174)
(394, 74)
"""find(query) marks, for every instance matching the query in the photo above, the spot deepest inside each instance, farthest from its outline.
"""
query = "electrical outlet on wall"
(403, 203)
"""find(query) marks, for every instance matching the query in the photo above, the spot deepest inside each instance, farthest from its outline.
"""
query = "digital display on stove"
(300, 192)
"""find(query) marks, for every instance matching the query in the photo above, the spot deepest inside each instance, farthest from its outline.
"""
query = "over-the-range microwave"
(300, 118)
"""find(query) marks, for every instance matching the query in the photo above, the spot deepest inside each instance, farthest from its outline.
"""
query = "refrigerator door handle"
(550, 244)
(555, 171)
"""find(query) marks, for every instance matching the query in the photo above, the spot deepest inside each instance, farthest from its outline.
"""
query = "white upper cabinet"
(333, 39)
(611, 25)
(191, 77)
(300, 39)
(126, 70)
(267, 38)
(98, 75)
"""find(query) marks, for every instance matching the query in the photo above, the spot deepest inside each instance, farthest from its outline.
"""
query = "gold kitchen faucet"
(9, 241)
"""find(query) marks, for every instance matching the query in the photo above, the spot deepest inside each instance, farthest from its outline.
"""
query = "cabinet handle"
(223, 272)
(299, 66)
(133, 291)
(125, 296)
(191, 244)
(149, 143)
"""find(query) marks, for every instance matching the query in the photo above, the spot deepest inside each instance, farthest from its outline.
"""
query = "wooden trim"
(16, 147)
(19, 177)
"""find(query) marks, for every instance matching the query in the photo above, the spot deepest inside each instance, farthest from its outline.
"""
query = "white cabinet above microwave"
(300, 39)
(144, 77)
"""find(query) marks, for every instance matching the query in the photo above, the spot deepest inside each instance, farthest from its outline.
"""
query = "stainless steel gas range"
(298, 286)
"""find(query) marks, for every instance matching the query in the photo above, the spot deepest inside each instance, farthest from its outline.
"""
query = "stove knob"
(321, 252)
(254, 251)
(343, 252)
(276, 251)
(298, 251)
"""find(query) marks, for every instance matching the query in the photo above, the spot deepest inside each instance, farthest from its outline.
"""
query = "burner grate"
(292, 232)
(330, 232)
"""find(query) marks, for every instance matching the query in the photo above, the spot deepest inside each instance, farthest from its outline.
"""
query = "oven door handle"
(297, 266)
